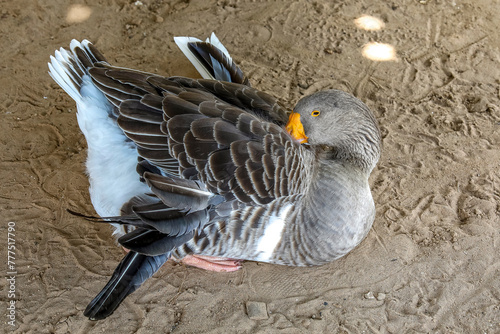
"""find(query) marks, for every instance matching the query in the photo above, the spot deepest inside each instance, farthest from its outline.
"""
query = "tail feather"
(132, 271)
(59, 70)
(211, 59)
(86, 53)
(68, 70)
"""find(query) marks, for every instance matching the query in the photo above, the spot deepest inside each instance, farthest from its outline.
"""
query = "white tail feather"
(59, 73)
(215, 42)
(182, 43)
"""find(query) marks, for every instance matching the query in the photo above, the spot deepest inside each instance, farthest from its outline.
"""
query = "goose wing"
(229, 136)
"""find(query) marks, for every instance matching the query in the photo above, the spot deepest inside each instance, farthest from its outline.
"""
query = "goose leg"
(212, 263)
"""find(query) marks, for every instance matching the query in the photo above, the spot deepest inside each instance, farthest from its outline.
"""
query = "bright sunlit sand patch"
(379, 52)
(370, 23)
(78, 13)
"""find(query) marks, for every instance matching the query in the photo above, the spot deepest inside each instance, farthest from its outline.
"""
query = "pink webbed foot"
(212, 263)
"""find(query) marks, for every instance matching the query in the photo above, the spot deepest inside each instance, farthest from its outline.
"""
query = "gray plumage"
(224, 176)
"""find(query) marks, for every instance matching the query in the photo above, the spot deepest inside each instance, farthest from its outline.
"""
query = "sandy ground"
(429, 265)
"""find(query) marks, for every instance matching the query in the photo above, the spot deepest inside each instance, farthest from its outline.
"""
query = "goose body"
(214, 167)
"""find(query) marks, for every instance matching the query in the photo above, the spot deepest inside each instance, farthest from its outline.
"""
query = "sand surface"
(431, 263)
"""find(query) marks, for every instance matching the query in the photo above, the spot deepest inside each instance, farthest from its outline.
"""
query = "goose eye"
(315, 113)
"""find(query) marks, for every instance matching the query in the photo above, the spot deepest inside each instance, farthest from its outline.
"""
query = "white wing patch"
(272, 234)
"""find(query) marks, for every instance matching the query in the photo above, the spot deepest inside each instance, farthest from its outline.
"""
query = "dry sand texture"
(429, 265)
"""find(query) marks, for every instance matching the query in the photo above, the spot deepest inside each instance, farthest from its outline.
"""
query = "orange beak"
(295, 128)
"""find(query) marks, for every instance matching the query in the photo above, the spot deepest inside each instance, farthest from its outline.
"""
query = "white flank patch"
(272, 235)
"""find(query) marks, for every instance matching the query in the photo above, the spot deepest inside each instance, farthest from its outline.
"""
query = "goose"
(212, 171)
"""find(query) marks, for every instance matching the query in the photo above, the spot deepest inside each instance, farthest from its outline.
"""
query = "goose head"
(338, 126)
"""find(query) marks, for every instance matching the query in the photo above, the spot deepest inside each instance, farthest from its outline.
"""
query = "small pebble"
(257, 310)
(381, 296)
(369, 295)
